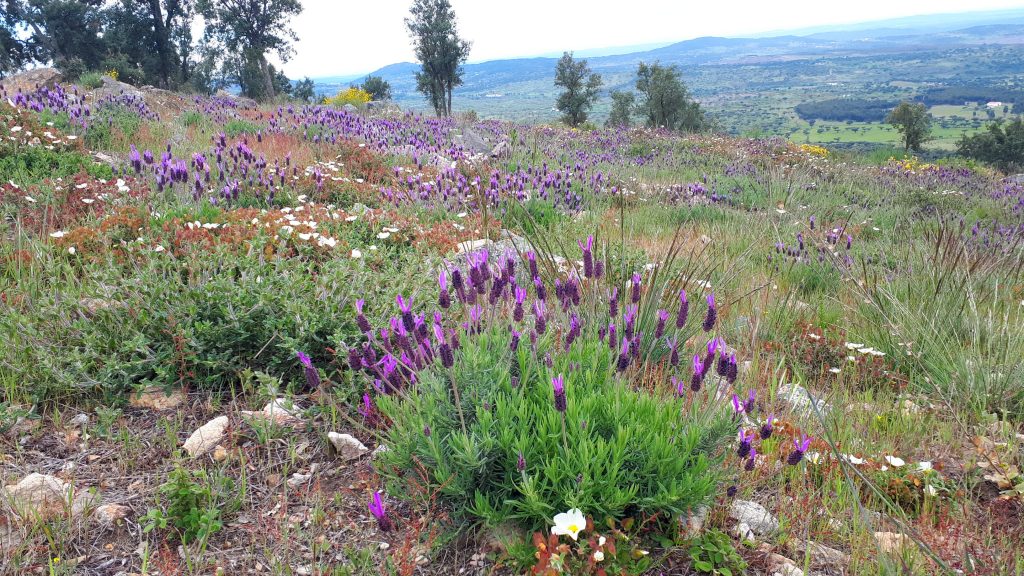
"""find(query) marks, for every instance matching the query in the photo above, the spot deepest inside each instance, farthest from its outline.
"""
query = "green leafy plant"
(91, 80)
(192, 503)
(713, 553)
(616, 451)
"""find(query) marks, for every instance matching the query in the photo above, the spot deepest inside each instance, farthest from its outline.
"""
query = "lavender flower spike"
(376, 507)
(361, 321)
(312, 375)
(558, 384)
(800, 446)
(684, 310)
(443, 298)
(712, 315)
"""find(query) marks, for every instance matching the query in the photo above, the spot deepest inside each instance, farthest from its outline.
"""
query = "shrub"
(616, 452)
(193, 503)
(234, 128)
(489, 428)
(31, 165)
(91, 80)
(354, 96)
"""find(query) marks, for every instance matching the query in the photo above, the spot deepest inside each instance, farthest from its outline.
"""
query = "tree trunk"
(163, 42)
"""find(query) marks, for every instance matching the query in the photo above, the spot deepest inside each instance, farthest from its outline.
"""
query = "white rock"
(279, 411)
(891, 542)
(819, 554)
(206, 437)
(757, 517)
(799, 399)
(347, 446)
(79, 420)
(298, 480)
(39, 497)
(743, 532)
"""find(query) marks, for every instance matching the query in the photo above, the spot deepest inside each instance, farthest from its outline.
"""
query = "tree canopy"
(1001, 146)
(664, 100)
(439, 49)
(580, 86)
(912, 121)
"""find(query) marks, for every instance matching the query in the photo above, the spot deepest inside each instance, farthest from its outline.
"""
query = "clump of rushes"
(663, 450)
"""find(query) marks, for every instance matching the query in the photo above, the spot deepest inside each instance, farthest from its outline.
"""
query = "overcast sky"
(341, 37)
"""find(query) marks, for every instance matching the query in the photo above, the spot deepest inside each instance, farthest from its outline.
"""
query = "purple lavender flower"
(732, 372)
(443, 298)
(812, 222)
(613, 340)
(659, 330)
(712, 315)
(521, 463)
(538, 284)
(731, 491)
(361, 321)
(767, 428)
(459, 285)
(737, 405)
(680, 385)
(749, 406)
(599, 269)
(558, 384)
(635, 296)
(405, 306)
(312, 375)
(376, 507)
(588, 256)
(800, 446)
(751, 460)
(443, 348)
(684, 310)
(613, 303)
(673, 349)
(514, 343)
(520, 297)
(539, 311)
(744, 438)
(624, 355)
(698, 374)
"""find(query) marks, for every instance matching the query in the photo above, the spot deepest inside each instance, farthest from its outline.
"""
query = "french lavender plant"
(489, 359)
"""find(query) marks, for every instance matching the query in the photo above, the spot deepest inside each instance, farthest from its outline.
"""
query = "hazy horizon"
(597, 28)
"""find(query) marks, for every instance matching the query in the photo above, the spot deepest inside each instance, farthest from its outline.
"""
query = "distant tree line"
(957, 95)
(150, 41)
(845, 109)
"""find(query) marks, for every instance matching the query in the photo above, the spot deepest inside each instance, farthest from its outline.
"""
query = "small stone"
(220, 453)
(79, 420)
(109, 515)
(347, 446)
(757, 517)
(298, 480)
(207, 437)
(819, 554)
(280, 412)
(891, 542)
(156, 398)
(743, 532)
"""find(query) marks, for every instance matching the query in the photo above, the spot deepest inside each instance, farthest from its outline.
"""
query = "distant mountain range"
(522, 89)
